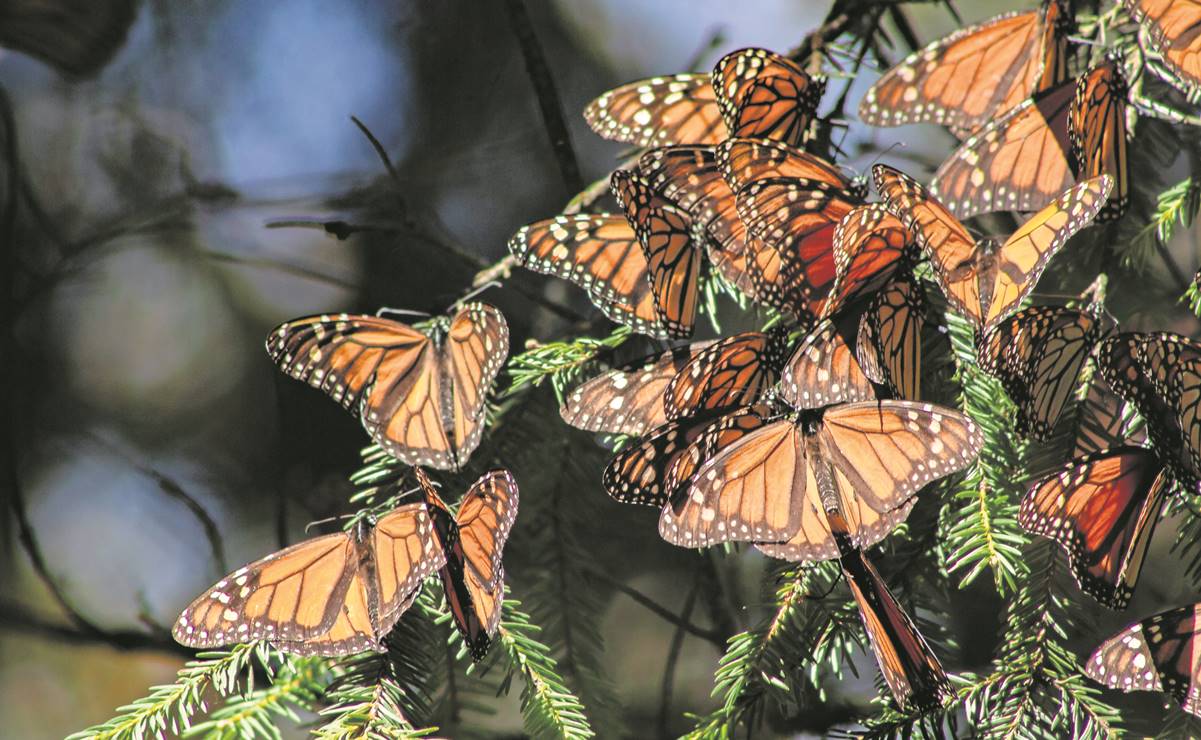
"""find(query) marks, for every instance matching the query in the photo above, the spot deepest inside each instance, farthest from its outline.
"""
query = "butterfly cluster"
(810, 440)
(421, 394)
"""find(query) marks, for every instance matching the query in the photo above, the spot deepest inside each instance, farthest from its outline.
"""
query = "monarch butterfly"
(1038, 354)
(870, 246)
(889, 343)
(824, 371)
(985, 281)
(332, 595)
(1158, 653)
(1160, 374)
(420, 393)
(977, 73)
(762, 488)
(690, 177)
(793, 201)
(653, 470)
(730, 372)
(1102, 508)
(1097, 130)
(1172, 29)
(640, 270)
(911, 669)
(752, 90)
(628, 399)
(473, 577)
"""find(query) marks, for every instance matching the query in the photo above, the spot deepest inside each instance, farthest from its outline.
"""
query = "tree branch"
(659, 610)
(548, 97)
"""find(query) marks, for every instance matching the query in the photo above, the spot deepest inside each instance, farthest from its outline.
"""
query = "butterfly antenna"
(326, 520)
(884, 152)
(401, 312)
(476, 290)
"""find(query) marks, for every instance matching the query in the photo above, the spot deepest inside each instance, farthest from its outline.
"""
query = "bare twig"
(175, 490)
(379, 150)
(17, 618)
(548, 97)
(712, 636)
(673, 656)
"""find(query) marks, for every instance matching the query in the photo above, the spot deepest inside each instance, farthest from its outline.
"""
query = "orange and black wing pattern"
(1098, 133)
(977, 73)
(889, 343)
(1173, 34)
(628, 399)
(675, 109)
(318, 597)
(1038, 354)
(1159, 653)
(823, 371)
(1102, 509)
(485, 517)
(733, 371)
(1016, 162)
(397, 376)
(600, 253)
(764, 95)
(911, 669)
(870, 245)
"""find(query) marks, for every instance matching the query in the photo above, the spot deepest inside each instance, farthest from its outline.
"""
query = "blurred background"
(156, 446)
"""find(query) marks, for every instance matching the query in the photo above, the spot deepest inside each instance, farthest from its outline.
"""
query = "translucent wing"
(734, 371)
(676, 109)
(975, 74)
(1098, 133)
(1102, 509)
(475, 349)
(824, 371)
(1173, 25)
(627, 399)
(1156, 654)
(1017, 162)
(486, 515)
(1103, 420)
(1038, 354)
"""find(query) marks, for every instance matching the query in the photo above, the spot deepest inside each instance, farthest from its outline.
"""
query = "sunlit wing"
(733, 371)
(675, 109)
(822, 371)
(1098, 133)
(1159, 653)
(475, 349)
(889, 342)
(1173, 34)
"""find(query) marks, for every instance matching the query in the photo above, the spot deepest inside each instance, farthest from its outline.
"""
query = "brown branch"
(712, 636)
(548, 97)
(16, 618)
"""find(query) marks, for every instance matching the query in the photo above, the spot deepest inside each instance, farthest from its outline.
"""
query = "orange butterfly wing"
(1173, 25)
(1158, 653)
(1102, 509)
(824, 371)
(1017, 162)
(476, 346)
(764, 95)
(733, 371)
(870, 245)
(1098, 133)
(676, 109)
(600, 253)
(889, 342)
(975, 74)
(673, 263)
(627, 399)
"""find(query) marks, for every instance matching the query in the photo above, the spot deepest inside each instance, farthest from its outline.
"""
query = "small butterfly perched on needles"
(1037, 354)
(1023, 160)
(1159, 653)
(473, 577)
(911, 669)
(1172, 34)
(639, 269)
(751, 92)
(986, 281)
(421, 392)
(332, 595)
(977, 73)
(1160, 374)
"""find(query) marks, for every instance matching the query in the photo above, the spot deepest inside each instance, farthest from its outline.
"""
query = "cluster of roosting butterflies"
(810, 439)
(421, 394)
